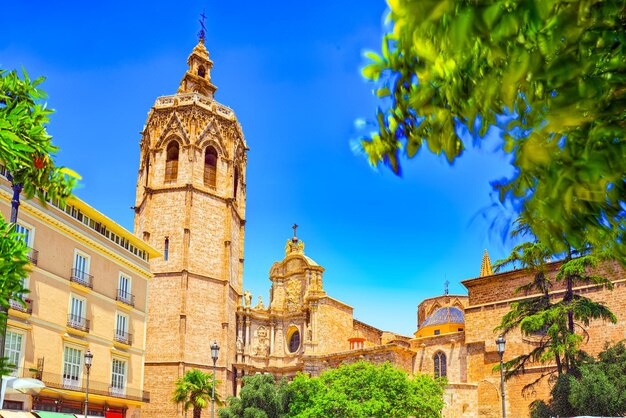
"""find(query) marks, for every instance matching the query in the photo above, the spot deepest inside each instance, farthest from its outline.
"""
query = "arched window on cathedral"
(235, 182)
(210, 167)
(166, 249)
(440, 364)
(201, 71)
(294, 341)
(171, 162)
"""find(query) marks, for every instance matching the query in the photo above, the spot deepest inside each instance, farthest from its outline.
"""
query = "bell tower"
(190, 204)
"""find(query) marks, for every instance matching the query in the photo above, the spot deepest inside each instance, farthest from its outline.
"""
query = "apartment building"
(88, 292)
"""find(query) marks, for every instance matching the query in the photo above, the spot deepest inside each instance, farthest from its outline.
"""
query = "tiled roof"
(445, 315)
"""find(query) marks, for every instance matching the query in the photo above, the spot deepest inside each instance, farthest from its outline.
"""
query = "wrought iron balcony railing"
(123, 337)
(77, 384)
(82, 278)
(16, 305)
(125, 297)
(78, 322)
(32, 255)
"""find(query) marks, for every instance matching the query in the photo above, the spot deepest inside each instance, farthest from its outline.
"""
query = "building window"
(166, 251)
(171, 162)
(13, 350)
(210, 167)
(121, 329)
(235, 182)
(440, 364)
(77, 313)
(124, 291)
(437, 331)
(26, 232)
(81, 269)
(72, 363)
(118, 377)
(147, 168)
(201, 71)
(294, 341)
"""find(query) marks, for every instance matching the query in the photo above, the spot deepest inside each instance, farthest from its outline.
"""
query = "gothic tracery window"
(294, 341)
(210, 167)
(440, 364)
(171, 162)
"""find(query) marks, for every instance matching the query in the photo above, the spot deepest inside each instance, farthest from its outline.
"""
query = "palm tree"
(193, 390)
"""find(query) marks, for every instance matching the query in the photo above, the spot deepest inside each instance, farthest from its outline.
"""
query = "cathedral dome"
(447, 315)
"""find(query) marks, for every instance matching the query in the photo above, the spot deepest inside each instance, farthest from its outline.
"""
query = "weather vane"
(202, 31)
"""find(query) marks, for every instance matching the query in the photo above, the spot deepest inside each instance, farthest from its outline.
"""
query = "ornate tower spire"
(485, 267)
(198, 78)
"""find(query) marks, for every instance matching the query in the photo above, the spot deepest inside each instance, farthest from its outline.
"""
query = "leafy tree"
(363, 390)
(194, 391)
(260, 397)
(549, 73)
(560, 323)
(598, 388)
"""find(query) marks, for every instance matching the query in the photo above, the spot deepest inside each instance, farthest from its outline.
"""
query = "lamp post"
(500, 343)
(88, 359)
(215, 349)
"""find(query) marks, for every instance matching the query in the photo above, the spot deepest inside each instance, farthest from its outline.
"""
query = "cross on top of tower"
(202, 31)
(295, 226)
(446, 283)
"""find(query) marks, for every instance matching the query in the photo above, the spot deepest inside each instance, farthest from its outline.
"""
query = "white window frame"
(126, 322)
(31, 232)
(83, 313)
(70, 382)
(87, 258)
(116, 377)
(9, 351)
(127, 297)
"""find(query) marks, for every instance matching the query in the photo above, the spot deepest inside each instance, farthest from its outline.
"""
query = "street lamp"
(88, 359)
(215, 349)
(501, 342)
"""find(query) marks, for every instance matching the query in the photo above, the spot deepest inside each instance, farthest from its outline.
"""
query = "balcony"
(73, 383)
(78, 322)
(123, 337)
(17, 306)
(82, 278)
(125, 297)
(32, 255)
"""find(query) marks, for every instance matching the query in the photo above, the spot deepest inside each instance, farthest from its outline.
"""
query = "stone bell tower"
(190, 205)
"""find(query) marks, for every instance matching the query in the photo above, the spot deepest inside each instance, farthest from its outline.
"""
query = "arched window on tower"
(147, 169)
(235, 182)
(171, 162)
(210, 167)
(201, 71)
(440, 364)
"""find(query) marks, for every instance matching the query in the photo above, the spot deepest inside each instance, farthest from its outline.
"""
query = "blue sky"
(292, 75)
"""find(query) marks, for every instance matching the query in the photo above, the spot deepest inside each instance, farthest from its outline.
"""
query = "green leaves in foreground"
(26, 149)
(364, 390)
(556, 68)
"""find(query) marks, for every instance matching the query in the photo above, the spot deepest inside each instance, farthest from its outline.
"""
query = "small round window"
(294, 341)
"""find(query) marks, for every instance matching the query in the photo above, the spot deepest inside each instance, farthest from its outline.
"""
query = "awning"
(110, 414)
(16, 414)
(27, 385)
(47, 414)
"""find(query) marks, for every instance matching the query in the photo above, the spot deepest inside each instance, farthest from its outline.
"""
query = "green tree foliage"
(558, 322)
(13, 265)
(194, 390)
(26, 149)
(598, 388)
(450, 69)
(260, 397)
(364, 390)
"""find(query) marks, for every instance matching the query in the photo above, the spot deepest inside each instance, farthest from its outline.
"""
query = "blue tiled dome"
(445, 315)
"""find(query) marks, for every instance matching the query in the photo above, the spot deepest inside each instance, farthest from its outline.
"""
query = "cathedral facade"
(190, 206)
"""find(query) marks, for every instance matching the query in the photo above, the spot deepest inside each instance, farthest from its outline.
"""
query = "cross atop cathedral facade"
(295, 226)
(445, 284)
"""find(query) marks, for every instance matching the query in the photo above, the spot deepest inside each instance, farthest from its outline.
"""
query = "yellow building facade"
(87, 286)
